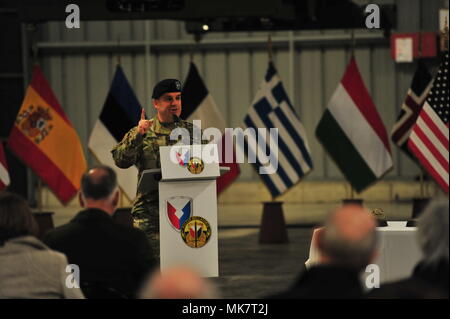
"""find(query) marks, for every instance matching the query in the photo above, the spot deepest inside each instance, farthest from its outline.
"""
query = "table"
(398, 251)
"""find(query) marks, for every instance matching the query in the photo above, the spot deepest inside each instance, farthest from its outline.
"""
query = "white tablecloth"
(398, 251)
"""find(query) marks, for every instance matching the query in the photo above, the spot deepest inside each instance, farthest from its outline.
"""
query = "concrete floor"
(252, 270)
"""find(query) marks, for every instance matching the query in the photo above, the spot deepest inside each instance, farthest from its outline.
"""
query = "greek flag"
(272, 108)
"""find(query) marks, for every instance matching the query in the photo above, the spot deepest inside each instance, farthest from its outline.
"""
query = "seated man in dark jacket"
(346, 245)
(113, 259)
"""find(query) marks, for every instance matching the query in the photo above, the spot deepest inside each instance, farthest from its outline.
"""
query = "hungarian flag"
(415, 98)
(119, 114)
(198, 104)
(429, 136)
(353, 134)
(4, 175)
(45, 140)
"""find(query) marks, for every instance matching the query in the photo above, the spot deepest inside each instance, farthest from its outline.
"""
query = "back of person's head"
(16, 218)
(433, 231)
(98, 183)
(349, 237)
(178, 283)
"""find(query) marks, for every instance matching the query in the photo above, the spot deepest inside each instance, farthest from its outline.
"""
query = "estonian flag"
(120, 113)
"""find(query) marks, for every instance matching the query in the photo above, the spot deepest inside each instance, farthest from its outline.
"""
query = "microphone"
(176, 119)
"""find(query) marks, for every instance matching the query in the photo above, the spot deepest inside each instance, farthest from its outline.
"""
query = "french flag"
(198, 104)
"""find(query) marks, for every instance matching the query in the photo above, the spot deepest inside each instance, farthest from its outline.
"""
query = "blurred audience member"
(178, 283)
(28, 268)
(113, 259)
(430, 276)
(346, 245)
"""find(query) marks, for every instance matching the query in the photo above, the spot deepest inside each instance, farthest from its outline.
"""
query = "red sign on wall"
(427, 41)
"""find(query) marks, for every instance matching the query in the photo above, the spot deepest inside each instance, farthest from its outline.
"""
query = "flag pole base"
(273, 226)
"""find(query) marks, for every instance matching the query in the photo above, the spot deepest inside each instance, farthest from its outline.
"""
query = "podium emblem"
(196, 232)
(182, 156)
(195, 165)
(179, 209)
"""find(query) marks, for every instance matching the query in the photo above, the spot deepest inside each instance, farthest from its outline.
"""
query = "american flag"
(415, 98)
(429, 136)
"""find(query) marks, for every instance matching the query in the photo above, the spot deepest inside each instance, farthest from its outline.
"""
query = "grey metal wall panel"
(97, 30)
(309, 101)
(82, 81)
(215, 76)
(72, 35)
(98, 68)
(168, 30)
(409, 19)
(138, 80)
(168, 66)
(120, 30)
(52, 31)
(239, 96)
(138, 30)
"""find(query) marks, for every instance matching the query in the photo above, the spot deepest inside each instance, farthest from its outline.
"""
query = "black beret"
(166, 86)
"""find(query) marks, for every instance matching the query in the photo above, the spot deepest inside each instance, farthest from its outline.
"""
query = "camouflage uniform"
(143, 151)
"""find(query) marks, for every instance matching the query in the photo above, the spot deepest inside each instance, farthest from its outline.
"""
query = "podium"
(187, 206)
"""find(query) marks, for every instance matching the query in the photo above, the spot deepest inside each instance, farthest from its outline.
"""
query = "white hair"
(433, 231)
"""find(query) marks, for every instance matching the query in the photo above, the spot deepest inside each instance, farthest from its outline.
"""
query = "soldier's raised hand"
(143, 124)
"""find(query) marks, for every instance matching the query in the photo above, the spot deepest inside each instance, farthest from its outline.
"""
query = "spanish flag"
(44, 138)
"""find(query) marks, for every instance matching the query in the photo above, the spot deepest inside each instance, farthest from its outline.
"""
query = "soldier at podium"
(140, 147)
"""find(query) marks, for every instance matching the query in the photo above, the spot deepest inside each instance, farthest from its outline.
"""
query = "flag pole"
(419, 53)
(191, 51)
(33, 44)
(197, 40)
(118, 53)
(353, 44)
(269, 48)
(444, 37)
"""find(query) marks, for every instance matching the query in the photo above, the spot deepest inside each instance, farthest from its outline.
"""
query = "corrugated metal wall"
(81, 81)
